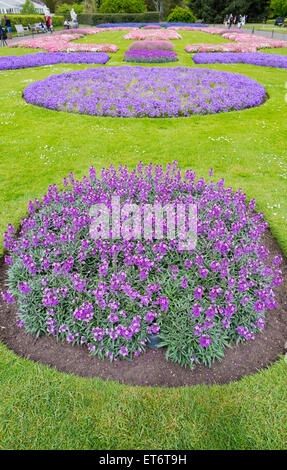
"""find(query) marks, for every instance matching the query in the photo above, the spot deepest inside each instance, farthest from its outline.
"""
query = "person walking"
(8, 26)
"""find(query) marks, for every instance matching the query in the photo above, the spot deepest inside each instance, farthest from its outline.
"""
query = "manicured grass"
(44, 409)
(266, 27)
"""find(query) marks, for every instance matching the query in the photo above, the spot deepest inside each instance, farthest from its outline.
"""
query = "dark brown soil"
(151, 368)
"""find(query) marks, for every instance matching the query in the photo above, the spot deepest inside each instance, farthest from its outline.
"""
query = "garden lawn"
(44, 409)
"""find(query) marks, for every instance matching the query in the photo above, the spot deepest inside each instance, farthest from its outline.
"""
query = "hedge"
(25, 20)
(92, 19)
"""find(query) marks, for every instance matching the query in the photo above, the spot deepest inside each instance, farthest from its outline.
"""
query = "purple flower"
(205, 341)
(124, 351)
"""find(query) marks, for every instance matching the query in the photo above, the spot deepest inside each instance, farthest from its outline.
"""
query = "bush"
(25, 20)
(65, 9)
(123, 6)
(181, 15)
(99, 18)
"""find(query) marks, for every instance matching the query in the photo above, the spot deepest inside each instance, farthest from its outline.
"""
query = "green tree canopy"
(28, 8)
(123, 6)
(65, 8)
(279, 7)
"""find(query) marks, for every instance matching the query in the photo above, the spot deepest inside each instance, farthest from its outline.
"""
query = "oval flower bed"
(50, 58)
(110, 294)
(140, 91)
(254, 58)
(151, 45)
(146, 56)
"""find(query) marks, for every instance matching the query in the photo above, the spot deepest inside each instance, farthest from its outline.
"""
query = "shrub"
(123, 6)
(101, 18)
(65, 9)
(181, 15)
(110, 294)
(25, 20)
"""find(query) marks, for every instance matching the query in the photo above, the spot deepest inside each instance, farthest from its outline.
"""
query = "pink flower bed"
(151, 26)
(228, 47)
(152, 34)
(62, 43)
(152, 45)
(243, 42)
(83, 31)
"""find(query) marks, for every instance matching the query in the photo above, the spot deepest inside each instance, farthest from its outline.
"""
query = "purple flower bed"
(253, 58)
(145, 91)
(110, 294)
(50, 58)
(146, 56)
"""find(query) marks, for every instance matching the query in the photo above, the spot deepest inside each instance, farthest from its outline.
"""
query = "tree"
(279, 7)
(90, 6)
(164, 7)
(123, 6)
(181, 15)
(65, 8)
(28, 8)
(214, 11)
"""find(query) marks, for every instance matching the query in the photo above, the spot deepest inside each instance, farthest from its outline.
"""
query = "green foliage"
(28, 8)
(123, 6)
(181, 15)
(98, 18)
(65, 8)
(279, 7)
(89, 6)
(214, 11)
(25, 20)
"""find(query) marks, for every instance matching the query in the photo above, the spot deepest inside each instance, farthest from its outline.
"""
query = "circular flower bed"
(110, 294)
(50, 58)
(146, 91)
(146, 56)
(253, 58)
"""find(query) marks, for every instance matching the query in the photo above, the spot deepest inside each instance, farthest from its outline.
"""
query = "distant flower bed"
(151, 45)
(151, 26)
(50, 58)
(110, 294)
(244, 42)
(254, 58)
(63, 43)
(152, 34)
(146, 56)
(141, 91)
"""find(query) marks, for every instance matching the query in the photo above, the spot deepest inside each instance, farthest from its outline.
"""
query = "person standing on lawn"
(8, 26)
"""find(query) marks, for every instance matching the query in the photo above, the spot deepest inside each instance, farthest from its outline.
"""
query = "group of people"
(231, 20)
(48, 23)
(5, 28)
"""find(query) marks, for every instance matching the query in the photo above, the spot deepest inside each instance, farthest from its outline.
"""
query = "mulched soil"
(151, 368)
